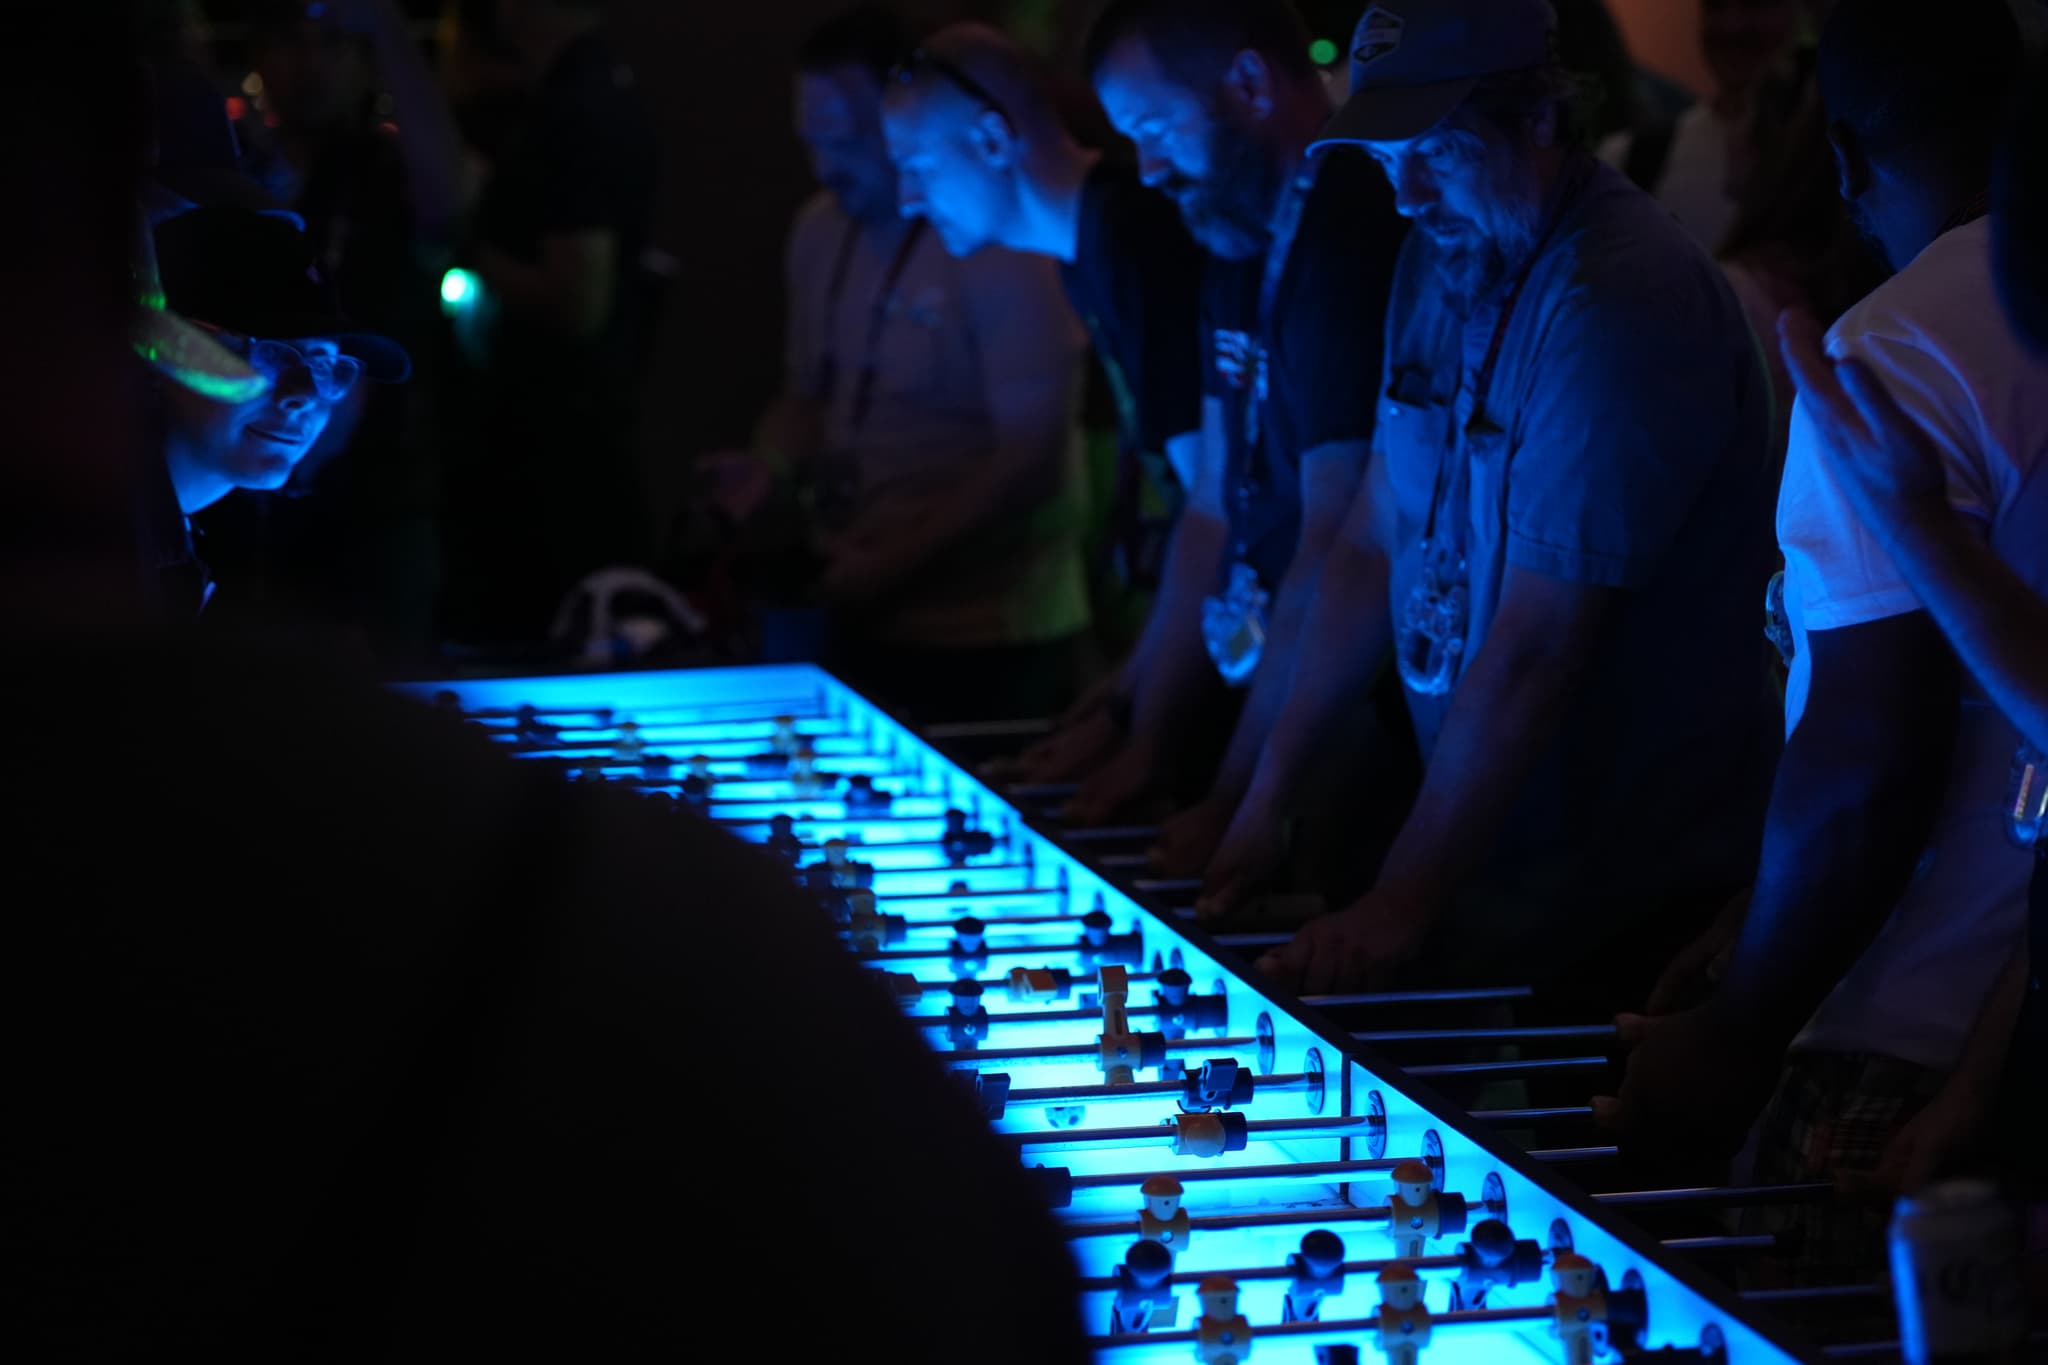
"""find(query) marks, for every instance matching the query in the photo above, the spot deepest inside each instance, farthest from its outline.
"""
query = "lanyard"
(878, 316)
(1482, 382)
(1286, 225)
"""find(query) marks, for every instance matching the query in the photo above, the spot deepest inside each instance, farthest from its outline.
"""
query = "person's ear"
(1852, 166)
(993, 139)
(1248, 84)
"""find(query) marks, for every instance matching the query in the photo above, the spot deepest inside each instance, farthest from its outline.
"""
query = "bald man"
(982, 155)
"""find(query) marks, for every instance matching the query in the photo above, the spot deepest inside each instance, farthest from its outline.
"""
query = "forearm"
(1177, 672)
(1982, 1064)
(1292, 605)
(1505, 713)
(1193, 551)
(1839, 847)
(1997, 626)
(437, 167)
(1351, 625)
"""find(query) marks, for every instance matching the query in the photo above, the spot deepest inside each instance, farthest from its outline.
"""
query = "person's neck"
(552, 32)
(196, 486)
(1049, 194)
(1296, 123)
(884, 230)
(1917, 219)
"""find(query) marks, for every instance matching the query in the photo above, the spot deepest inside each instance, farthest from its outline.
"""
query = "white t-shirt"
(1936, 335)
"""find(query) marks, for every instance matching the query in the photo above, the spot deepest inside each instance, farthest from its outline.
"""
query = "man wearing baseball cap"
(249, 282)
(1560, 543)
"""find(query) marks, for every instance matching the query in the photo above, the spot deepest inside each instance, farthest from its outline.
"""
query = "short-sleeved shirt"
(1136, 282)
(1322, 338)
(1624, 444)
(952, 334)
(1937, 338)
(582, 159)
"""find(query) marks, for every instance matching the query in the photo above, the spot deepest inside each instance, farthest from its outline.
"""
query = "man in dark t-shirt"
(543, 487)
(1222, 102)
(982, 154)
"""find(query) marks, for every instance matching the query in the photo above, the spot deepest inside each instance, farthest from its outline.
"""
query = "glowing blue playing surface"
(1317, 1103)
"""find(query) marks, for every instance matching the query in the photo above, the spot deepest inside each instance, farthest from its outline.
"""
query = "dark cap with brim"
(1393, 114)
(254, 274)
(1413, 62)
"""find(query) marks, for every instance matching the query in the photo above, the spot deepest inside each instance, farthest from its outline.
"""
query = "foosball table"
(1238, 1172)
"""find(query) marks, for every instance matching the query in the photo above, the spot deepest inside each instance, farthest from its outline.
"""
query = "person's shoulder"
(818, 223)
(1945, 296)
(1121, 215)
(999, 268)
(1349, 238)
(1620, 253)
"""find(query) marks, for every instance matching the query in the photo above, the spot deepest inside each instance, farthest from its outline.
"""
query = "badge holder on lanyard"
(839, 478)
(2027, 799)
(1429, 639)
(1234, 625)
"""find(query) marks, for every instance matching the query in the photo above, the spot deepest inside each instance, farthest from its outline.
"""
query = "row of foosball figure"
(1146, 1305)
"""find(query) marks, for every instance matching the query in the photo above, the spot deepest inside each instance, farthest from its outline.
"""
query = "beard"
(1474, 257)
(1229, 210)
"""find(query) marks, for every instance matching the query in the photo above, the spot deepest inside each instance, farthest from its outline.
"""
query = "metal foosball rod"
(1585, 1312)
(1201, 1089)
(604, 717)
(1493, 1257)
(1380, 1213)
(1199, 1134)
(1078, 1050)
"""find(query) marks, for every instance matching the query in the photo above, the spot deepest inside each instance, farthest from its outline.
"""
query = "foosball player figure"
(1163, 1220)
(1318, 1273)
(1580, 1303)
(803, 769)
(1039, 985)
(960, 843)
(1412, 1217)
(863, 798)
(782, 838)
(1119, 1048)
(629, 747)
(656, 767)
(697, 786)
(1222, 1337)
(844, 871)
(1404, 1318)
(784, 740)
(967, 953)
(1144, 1301)
(868, 930)
(532, 730)
(966, 1016)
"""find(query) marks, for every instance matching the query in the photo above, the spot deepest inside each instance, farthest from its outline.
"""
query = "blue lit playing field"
(1001, 944)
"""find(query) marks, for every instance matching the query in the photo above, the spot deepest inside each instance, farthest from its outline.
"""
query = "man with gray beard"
(1562, 544)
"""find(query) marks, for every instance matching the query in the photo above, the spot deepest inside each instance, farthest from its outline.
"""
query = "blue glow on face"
(680, 714)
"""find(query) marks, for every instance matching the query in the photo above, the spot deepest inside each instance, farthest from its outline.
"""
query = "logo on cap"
(1379, 33)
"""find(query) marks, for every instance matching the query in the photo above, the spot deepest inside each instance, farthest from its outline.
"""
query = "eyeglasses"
(333, 375)
(907, 71)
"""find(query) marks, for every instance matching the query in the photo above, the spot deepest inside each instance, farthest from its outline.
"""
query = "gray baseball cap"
(1414, 61)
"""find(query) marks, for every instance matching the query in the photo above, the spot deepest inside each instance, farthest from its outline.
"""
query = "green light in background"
(1322, 52)
(459, 288)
